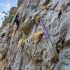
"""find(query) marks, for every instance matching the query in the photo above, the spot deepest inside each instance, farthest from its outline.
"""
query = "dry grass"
(4, 53)
(37, 36)
(55, 58)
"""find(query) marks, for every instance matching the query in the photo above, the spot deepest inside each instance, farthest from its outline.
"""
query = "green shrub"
(26, 28)
(28, 25)
(7, 20)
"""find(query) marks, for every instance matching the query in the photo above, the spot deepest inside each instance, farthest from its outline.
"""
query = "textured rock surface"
(25, 50)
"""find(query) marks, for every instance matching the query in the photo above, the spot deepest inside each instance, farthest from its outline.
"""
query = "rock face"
(42, 41)
(19, 2)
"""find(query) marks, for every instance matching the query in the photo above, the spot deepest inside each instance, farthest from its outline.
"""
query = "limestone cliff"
(42, 41)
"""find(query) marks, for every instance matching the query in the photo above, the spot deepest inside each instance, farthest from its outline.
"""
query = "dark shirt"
(16, 18)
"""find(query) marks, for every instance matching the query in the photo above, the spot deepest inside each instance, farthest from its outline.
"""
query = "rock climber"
(59, 14)
(17, 20)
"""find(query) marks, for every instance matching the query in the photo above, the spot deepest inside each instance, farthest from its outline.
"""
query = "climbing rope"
(49, 42)
(46, 30)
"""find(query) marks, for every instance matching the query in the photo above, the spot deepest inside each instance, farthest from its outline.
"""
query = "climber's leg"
(17, 23)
